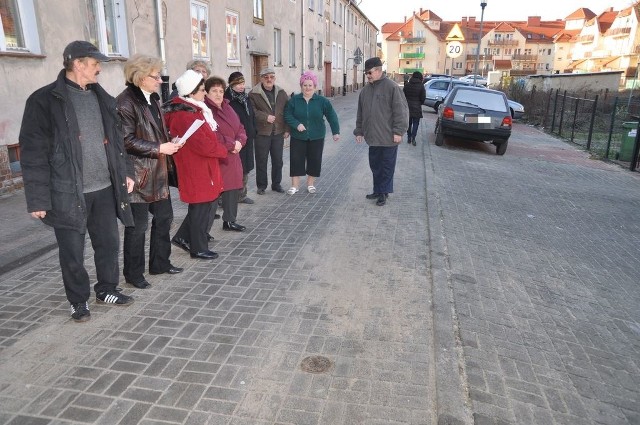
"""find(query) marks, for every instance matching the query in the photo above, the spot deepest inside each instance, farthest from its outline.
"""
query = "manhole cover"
(316, 364)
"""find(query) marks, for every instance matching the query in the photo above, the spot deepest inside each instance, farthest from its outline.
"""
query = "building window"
(292, 50)
(233, 37)
(18, 32)
(258, 12)
(107, 26)
(340, 56)
(311, 4)
(14, 160)
(320, 55)
(334, 56)
(200, 29)
(320, 7)
(277, 52)
(311, 53)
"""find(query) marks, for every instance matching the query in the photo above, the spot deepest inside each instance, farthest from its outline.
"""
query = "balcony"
(411, 55)
(472, 57)
(409, 70)
(415, 40)
(618, 32)
(524, 58)
(503, 42)
(585, 39)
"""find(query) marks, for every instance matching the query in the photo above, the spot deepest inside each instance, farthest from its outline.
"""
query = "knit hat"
(235, 78)
(417, 74)
(188, 82)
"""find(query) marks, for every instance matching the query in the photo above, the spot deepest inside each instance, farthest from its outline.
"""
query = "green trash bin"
(628, 140)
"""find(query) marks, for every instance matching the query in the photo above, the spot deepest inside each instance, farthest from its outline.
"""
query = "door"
(258, 62)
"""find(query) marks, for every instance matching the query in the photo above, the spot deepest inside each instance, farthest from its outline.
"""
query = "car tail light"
(506, 122)
(447, 113)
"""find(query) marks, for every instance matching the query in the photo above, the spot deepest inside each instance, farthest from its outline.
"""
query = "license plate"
(477, 119)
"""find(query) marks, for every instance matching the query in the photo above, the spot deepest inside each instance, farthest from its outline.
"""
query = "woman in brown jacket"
(147, 142)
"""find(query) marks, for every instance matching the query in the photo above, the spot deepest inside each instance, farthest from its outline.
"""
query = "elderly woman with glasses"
(199, 177)
(147, 142)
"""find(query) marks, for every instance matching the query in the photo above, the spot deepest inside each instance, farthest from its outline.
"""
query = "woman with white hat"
(199, 178)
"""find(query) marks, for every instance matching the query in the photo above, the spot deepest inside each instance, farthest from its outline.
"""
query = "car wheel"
(501, 146)
(439, 136)
(436, 106)
(513, 115)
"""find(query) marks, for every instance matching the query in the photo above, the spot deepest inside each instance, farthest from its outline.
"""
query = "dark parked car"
(477, 114)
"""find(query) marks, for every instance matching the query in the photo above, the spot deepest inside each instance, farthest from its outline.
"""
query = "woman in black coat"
(415, 93)
(241, 103)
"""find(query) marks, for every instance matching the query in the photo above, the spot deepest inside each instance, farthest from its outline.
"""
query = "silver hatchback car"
(438, 88)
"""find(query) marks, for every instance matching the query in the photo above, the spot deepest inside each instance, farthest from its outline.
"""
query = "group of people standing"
(89, 159)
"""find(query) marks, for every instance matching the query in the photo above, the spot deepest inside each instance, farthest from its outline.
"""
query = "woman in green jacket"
(305, 113)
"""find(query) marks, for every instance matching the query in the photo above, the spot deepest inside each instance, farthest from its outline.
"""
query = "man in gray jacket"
(382, 119)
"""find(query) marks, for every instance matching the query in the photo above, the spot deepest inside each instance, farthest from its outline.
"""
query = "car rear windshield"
(485, 100)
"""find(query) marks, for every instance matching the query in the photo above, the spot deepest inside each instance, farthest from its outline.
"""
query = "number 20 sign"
(454, 49)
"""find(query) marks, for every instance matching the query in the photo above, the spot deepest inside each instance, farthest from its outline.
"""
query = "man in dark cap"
(382, 119)
(76, 175)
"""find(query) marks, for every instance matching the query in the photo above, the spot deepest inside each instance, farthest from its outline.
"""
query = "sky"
(380, 11)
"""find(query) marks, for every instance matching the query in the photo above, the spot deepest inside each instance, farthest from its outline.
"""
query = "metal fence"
(603, 123)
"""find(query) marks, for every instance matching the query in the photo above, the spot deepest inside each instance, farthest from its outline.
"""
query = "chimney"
(472, 21)
(405, 18)
(421, 11)
(533, 21)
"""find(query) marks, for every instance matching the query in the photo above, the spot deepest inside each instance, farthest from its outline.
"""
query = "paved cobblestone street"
(489, 290)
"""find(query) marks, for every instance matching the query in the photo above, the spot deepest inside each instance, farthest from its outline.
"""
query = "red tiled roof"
(582, 13)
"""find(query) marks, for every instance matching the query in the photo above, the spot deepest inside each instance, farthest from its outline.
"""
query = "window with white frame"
(277, 47)
(311, 53)
(19, 30)
(232, 27)
(335, 11)
(340, 60)
(320, 55)
(334, 56)
(258, 12)
(107, 26)
(292, 49)
(320, 7)
(199, 29)
(311, 4)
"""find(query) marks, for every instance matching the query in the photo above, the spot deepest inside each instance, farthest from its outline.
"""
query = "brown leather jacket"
(262, 109)
(143, 135)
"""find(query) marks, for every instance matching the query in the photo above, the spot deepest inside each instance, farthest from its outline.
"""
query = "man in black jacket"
(76, 175)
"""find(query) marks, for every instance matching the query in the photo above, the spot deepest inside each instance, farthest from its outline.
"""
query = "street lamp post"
(483, 4)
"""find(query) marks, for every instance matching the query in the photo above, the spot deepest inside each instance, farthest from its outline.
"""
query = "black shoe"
(80, 312)
(408, 139)
(232, 225)
(277, 188)
(170, 270)
(247, 201)
(260, 191)
(216, 217)
(205, 255)
(181, 243)
(413, 142)
(143, 284)
(113, 296)
(382, 199)
(373, 196)
(209, 237)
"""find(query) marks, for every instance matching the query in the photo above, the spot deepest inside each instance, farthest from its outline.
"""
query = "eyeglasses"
(269, 77)
(156, 77)
(370, 71)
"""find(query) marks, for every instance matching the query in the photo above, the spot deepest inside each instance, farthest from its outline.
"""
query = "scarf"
(208, 115)
(241, 98)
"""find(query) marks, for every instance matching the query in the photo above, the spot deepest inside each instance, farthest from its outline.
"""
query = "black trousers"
(382, 161)
(305, 157)
(159, 244)
(229, 204)
(102, 226)
(266, 146)
(414, 123)
(194, 226)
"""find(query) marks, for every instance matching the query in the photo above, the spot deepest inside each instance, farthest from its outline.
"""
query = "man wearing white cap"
(269, 102)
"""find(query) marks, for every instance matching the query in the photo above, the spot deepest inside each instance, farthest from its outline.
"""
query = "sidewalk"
(489, 290)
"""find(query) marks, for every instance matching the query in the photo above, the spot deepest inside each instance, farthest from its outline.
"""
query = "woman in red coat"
(199, 177)
(231, 133)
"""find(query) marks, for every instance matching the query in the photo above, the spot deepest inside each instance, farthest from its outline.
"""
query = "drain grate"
(316, 364)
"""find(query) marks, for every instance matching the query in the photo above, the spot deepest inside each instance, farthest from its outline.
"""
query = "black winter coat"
(248, 120)
(51, 156)
(415, 93)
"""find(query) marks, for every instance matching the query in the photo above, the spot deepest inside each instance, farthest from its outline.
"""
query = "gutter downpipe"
(164, 87)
